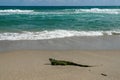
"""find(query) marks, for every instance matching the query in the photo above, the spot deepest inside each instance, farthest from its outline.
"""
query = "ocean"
(47, 22)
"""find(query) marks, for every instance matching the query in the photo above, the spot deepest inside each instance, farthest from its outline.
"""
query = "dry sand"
(34, 65)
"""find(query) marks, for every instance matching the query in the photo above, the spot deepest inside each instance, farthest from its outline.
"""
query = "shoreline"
(86, 40)
(71, 43)
(29, 60)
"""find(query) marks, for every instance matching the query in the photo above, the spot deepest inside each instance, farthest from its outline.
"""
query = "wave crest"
(16, 11)
(53, 34)
(58, 12)
(97, 10)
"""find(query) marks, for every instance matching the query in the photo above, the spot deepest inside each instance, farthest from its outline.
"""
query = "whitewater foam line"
(15, 11)
(59, 12)
(97, 10)
(53, 34)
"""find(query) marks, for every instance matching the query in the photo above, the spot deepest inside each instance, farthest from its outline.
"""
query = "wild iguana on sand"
(64, 63)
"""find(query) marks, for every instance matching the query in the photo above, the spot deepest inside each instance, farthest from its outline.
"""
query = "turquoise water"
(22, 23)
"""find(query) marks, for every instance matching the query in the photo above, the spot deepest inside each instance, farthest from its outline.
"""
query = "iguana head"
(51, 59)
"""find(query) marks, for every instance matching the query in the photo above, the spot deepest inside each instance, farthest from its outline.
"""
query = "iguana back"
(61, 62)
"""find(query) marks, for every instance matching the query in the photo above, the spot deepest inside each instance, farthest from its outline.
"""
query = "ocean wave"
(15, 11)
(31, 12)
(59, 12)
(53, 34)
(97, 10)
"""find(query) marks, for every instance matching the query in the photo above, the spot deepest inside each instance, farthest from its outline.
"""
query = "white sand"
(34, 65)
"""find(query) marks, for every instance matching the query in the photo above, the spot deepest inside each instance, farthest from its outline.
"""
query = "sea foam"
(15, 11)
(53, 34)
(59, 12)
(97, 10)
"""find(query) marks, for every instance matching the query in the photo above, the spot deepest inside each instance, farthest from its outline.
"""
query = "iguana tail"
(80, 65)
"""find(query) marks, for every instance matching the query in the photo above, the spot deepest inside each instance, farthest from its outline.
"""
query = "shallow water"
(36, 23)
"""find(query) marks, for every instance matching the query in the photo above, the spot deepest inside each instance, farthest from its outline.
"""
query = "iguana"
(64, 63)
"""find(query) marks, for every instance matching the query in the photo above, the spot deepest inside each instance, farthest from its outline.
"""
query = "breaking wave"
(15, 11)
(53, 34)
(97, 10)
(62, 11)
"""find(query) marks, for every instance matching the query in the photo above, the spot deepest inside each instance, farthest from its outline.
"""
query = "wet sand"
(72, 43)
(34, 65)
(29, 60)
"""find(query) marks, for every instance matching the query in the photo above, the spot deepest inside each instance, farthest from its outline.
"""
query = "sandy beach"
(34, 65)
(33, 31)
